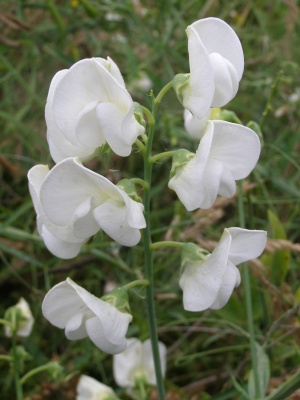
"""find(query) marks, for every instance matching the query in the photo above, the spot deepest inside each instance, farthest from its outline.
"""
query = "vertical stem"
(247, 286)
(149, 259)
(18, 386)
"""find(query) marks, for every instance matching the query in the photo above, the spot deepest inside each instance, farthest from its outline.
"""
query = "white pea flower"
(88, 105)
(216, 66)
(208, 281)
(90, 389)
(70, 307)
(227, 152)
(194, 126)
(26, 321)
(136, 362)
(73, 203)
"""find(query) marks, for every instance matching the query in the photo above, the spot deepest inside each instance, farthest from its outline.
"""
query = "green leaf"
(263, 366)
(279, 260)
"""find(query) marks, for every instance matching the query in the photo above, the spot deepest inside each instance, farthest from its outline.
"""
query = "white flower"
(194, 126)
(227, 152)
(25, 324)
(70, 307)
(136, 362)
(88, 105)
(216, 65)
(90, 389)
(72, 203)
(208, 281)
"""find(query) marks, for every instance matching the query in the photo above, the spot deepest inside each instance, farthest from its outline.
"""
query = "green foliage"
(40, 37)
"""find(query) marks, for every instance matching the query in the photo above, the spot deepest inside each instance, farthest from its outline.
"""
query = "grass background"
(38, 38)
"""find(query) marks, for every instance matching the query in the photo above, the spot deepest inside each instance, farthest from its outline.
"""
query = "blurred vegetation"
(40, 37)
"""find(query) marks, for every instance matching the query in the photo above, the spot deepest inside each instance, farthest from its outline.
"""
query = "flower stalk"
(149, 255)
(247, 286)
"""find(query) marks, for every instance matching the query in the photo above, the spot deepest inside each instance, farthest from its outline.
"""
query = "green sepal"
(119, 299)
(22, 355)
(225, 115)
(139, 113)
(14, 315)
(192, 253)
(129, 188)
(179, 159)
(180, 85)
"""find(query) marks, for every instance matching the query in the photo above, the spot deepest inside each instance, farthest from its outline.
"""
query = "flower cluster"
(88, 111)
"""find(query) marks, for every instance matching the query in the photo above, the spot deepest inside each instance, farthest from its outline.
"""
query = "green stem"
(161, 94)
(18, 386)
(268, 106)
(166, 243)
(139, 282)
(140, 182)
(148, 115)
(3, 357)
(157, 157)
(247, 286)
(7, 323)
(149, 257)
(140, 145)
(34, 371)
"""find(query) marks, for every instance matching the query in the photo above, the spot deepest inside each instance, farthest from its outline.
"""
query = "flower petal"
(67, 186)
(225, 78)
(188, 181)
(83, 221)
(95, 331)
(218, 37)
(85, 82)
(87, 129)
(60, 146)
(61, 303)
(89, 388)
(194, 126)
(211, 181)
(59, 247)
(125, 363)
(112, 218)
(236, 147)
(246, 244)
(109, 326)
(197, 97)
(148, 363)
(231, 279)
(75, 326)
(201, 282)
(110, 119)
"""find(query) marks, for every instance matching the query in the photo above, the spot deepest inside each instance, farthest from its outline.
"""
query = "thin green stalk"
(167, 243)
(149, 259)
(161, 155)
(3, 357)
(33, 372)
(161, 94)
(247, 286)
(18, 386)
(138, 282)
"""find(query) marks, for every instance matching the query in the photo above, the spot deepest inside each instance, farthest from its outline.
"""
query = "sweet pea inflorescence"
(89, 111)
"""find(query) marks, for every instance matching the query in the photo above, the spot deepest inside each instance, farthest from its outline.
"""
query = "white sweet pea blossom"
(90, 389)
(26, 321)
(136, 362)
(208, 281)
(216, 66)
(70, 307)
(227, 152)
(73, 203)
(88, 105)
(195, 127)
